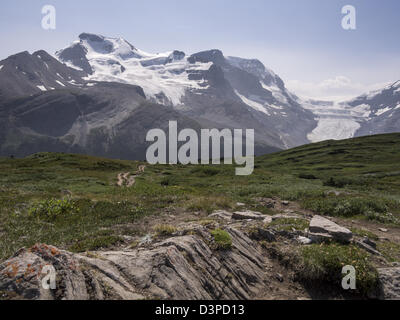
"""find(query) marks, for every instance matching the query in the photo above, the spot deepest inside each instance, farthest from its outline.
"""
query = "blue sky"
(301, 40)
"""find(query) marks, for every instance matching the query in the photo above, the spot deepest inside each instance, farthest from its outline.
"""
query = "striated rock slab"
(178, 268)
(22, 275)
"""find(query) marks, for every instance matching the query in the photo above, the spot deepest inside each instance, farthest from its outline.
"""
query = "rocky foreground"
(188, 263)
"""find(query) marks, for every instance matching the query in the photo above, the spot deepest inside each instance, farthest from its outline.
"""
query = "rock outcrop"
(389, 279)
(182, 267)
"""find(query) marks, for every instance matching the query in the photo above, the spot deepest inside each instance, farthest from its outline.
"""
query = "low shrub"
(52, 208)
(373, 209)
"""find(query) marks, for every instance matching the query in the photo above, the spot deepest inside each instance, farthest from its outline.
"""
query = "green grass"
(364, 170)
(289, 224)
(325, 263)
(364, 233)
(164, 230)
(222, 239)
(390, 250)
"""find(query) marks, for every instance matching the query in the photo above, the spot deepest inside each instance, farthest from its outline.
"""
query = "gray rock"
(264, 234)
(224, 215)
(248, 215)
(286, 215)
(267, 220)
(389, 279)
(369, 242)
(319, 237)
(367, 247)
(304, 240)
(323, 229)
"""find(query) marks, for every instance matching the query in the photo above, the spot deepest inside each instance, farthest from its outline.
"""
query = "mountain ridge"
(205, 87)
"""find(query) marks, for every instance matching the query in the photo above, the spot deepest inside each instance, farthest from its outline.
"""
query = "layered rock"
(183, 267)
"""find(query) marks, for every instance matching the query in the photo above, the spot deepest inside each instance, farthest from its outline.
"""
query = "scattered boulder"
(270, 204)
(322, 229)
(304, 240)
(223, 215)
(369, 242)
(267, 220)
(267, 202)
(368, 246)
(336, 193)
(389, 279)
(287, 215)
(248, 215)
(383, 230)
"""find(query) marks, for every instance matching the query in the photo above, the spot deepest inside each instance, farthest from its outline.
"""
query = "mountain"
(376, 112)
(101, 95)
(381, 110)
(27, 74)
(104, 119)
(226, 92)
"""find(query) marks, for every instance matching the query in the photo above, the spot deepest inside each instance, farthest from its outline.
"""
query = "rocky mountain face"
(381, 109)
(25, 74)
(226, 92)
(106, 119)
(102, 95)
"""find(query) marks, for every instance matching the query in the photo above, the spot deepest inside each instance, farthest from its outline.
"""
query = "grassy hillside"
(357, 179)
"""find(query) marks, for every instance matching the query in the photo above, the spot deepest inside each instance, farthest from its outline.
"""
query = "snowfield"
(253, 104)
(333, 129)
(115, 60)
(335, 121)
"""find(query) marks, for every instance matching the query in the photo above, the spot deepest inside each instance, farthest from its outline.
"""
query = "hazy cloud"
(339, 88)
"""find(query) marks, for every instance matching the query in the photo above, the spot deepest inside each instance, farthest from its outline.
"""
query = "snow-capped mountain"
(101, 95)
(116, 60)
(226, 91)
(372, 113)
(381, 110)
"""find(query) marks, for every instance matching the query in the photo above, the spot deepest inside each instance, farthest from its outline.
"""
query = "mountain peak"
(107, 45)
(91, 37)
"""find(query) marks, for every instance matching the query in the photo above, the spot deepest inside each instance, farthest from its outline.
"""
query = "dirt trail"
(128, 180)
